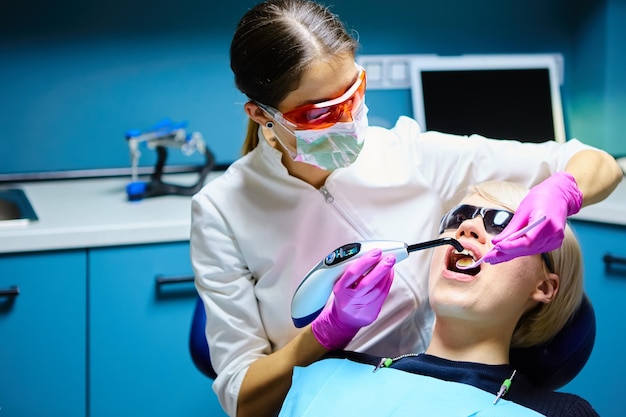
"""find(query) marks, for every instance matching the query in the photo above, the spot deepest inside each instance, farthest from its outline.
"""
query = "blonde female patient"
(480, 315)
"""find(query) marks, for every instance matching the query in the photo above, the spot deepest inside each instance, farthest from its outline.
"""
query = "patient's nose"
(473, 228)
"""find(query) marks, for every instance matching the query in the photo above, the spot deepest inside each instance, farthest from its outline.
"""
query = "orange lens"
(327, 113)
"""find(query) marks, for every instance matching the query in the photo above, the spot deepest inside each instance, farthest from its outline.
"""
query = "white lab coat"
(256, 232)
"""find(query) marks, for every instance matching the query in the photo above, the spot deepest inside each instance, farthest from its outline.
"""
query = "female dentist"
(314, 176)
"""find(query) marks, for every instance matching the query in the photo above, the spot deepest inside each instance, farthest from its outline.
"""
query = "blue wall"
(597, 85)
(77, 74)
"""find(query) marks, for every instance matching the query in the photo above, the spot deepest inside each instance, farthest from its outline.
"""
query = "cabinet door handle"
(12, 291)
(174, 287)
(162, 280)
(610, 261)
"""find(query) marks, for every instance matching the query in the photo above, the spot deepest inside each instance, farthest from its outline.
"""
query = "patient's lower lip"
(457, 276)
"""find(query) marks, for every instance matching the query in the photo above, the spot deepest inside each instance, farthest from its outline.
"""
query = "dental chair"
(551, 365)
(555, 363)
(198, 346)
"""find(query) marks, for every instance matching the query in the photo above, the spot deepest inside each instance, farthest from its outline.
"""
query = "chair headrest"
(556, 362)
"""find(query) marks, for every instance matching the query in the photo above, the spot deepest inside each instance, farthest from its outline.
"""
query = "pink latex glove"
(357, 301)
(557, 197)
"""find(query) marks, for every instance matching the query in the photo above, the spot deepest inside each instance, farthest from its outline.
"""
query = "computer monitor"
(497, 96)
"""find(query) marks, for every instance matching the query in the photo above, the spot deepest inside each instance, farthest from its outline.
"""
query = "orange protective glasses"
(324, 114)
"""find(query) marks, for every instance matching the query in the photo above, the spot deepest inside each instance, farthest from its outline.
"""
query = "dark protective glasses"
(495, 220)
(324, 114)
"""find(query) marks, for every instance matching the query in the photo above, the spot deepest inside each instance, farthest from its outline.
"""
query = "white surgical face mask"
(337, 146)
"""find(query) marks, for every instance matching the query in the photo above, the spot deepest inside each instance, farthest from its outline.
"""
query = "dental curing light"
(313, 292)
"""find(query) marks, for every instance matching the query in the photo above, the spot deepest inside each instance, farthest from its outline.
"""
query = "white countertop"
(95, 212)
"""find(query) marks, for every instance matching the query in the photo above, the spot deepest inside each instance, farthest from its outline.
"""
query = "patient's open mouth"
(465, 257)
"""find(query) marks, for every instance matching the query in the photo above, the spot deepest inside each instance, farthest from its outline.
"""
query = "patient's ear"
(547, 288)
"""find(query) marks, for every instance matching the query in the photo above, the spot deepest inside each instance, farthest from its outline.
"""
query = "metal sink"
(15, 207)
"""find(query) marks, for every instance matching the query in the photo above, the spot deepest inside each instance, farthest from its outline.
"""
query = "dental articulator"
(165, 134)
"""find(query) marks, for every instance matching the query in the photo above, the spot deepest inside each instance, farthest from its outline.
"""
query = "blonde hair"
(545, 320)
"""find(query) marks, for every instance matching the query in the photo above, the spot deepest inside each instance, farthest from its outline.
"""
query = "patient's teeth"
(466, 252)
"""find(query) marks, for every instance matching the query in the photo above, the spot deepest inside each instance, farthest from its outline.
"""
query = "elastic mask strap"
(270, 126)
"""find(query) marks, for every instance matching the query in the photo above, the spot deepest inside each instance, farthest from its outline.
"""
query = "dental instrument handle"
(521, 232)
(434, 243)
(313, 292)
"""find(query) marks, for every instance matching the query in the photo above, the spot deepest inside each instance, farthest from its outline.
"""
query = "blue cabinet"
(100, 332)
(600, 381)
(42, 334)
(139, 319)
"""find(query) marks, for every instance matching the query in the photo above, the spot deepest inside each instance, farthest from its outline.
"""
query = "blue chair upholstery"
(198, 346)
(551, 365)
(556, 362)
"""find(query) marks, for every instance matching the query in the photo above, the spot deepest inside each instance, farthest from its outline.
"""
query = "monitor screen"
(498, 96)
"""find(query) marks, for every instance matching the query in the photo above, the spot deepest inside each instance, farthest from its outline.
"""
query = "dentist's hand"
(357, 300)
(557, 197)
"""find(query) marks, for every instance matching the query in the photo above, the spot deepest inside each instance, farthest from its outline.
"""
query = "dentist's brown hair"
(273, 45)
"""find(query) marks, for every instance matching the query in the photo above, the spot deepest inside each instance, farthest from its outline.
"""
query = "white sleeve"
(234, 329)
(452, 163)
